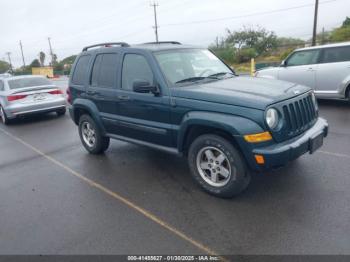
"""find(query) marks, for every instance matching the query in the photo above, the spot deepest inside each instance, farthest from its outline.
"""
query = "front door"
(142, 116)
(301, 68)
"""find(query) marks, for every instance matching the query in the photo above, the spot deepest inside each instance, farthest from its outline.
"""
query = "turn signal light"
(256, 138)
(259, 159)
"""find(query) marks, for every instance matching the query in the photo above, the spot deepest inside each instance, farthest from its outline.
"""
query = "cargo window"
(135, 68)
(308, 57)
(336, 54)
(81, 70)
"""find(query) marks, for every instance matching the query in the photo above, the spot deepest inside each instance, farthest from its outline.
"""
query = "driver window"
(303, 58)
(135, 68)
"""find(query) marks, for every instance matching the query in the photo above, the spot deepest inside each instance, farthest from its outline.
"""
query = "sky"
(73, 24)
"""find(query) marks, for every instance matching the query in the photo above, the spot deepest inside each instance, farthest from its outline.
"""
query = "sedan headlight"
(314, 100)
(272, 118)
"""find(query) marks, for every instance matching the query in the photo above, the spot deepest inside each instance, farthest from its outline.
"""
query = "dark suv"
(184, 100)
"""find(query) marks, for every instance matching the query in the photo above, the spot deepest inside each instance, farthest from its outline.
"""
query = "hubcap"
(88, 133)
(214, 167)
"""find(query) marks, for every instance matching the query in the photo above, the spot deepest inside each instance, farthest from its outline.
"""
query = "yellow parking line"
(334, 154)
(122, 199)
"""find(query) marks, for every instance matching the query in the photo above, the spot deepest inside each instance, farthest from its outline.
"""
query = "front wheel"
(91, 136)
(3, 116)
(217, 166)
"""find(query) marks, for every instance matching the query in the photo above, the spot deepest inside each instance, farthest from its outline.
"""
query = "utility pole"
(155, 19)
(9, 57)
(24, 63)
(51, 53)
(315, 24)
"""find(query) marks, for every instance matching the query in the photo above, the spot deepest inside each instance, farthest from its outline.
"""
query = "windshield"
(180, 66)
(28, 82)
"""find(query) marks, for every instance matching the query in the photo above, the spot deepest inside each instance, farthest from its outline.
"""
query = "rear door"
(333, 71)
(102, 88)
(301, 68)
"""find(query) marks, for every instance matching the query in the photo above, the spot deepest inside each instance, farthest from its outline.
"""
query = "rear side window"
(104, 71)
(135, 68)
(81, 70)
(2, 87)
(303, 58)
(336, 54)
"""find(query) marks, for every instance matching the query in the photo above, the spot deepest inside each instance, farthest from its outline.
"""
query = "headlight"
(314, 100)
(272, 118)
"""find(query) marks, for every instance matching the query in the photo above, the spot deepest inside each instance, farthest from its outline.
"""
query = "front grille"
(299, 114)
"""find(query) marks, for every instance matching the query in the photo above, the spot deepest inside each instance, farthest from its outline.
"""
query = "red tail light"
(15, 97)
(56, 92)
(69, 96)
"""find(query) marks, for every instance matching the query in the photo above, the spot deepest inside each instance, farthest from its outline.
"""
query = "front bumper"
(280, 154)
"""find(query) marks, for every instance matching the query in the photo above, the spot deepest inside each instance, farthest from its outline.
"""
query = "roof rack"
(122, 44)
(163, 42)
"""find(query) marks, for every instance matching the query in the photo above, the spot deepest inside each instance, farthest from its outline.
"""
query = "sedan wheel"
(3, 116)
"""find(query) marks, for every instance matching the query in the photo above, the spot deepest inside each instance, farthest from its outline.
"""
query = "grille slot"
(299, 115)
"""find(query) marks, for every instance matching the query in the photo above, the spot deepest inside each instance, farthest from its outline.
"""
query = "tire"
(232, 175)
(91, 136)
(3, 116)
(61, 112)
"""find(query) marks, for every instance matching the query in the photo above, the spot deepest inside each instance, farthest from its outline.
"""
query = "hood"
(241, 91)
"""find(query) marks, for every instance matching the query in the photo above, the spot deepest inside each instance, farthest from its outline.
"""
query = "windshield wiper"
(220, 74)
(191, 79)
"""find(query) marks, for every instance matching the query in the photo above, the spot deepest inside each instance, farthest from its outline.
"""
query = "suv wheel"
(3, 116)
(91, 137)
(217, 166)
(61, 112)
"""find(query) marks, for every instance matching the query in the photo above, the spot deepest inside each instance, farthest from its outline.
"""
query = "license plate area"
(39, 97)
(315, 143)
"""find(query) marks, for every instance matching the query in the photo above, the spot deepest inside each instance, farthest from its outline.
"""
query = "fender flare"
(234, 125)
(91, 108)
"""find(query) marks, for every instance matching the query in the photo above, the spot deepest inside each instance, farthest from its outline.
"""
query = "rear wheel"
(61, 112)
(218, 166)
(3, 116)
(91, 136)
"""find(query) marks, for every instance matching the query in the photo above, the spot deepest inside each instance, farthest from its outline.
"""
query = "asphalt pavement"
(55, 198)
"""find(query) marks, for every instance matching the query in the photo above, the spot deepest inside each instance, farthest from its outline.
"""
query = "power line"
(247, 15)
(155, 5)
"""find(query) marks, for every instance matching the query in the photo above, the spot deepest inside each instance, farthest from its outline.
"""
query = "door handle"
(91, 93)
(123, 97)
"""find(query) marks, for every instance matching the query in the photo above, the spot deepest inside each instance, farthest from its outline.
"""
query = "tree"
(346, 23)
(42, 57)
(259, 39)
(4, 66)
(35, 63)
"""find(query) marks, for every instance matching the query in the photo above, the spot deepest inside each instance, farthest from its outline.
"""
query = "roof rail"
(163, 42)
(123, 44)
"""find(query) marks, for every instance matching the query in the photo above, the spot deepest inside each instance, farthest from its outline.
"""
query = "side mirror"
(143, 86)
(284, 63)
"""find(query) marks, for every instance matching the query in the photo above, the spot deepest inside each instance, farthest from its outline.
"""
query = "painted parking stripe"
(122, 199)
(334, 154)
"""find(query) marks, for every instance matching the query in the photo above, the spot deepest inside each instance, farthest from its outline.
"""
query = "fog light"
(259, 159)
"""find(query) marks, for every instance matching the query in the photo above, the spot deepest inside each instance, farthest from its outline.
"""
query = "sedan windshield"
(191, 65)
(28, 82)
